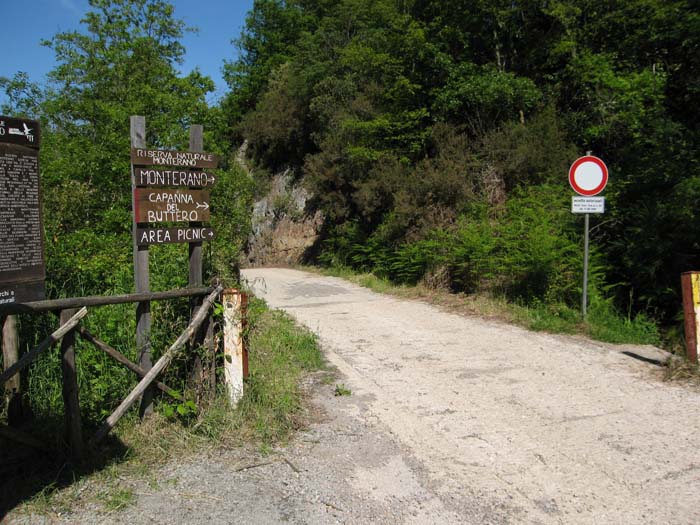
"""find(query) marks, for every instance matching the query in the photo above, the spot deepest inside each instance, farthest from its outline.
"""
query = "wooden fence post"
(71, 400)
(195, 248)
(141, 276)
(235, 352)
(10, 350)
(47, 342)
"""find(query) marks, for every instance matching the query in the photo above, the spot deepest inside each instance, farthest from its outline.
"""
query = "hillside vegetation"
(437, 138)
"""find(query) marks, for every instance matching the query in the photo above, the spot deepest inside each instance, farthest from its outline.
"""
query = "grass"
(342, 390)
(280, 354)
(118, 499)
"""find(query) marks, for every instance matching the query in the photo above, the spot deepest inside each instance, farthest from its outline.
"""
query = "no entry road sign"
(588, 176)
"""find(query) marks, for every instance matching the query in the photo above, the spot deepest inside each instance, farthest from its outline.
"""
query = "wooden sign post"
(195, 278)
(167, 188)
(141, 276)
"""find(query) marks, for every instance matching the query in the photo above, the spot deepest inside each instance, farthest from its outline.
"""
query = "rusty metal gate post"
(690, 283)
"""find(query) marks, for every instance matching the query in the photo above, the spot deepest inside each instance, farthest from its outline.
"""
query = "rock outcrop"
(283, 229)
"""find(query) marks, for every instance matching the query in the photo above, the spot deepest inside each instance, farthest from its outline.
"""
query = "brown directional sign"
(166, 205)
(148, 236)
(21, 234)
(155, 177)
(19, 131)
(187, 159)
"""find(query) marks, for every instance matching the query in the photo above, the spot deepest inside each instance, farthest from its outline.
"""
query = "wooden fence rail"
(69, 326)
(100, 300)
(121, 358)
(158, 367)
(46, 343)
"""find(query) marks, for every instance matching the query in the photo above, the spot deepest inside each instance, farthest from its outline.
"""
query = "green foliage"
(280, 352)
(538, 251)
(419, 124)
(124, 62)
(606, 324)
(341, 390)
(483, 96)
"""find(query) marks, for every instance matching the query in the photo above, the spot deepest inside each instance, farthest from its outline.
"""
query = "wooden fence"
(71, 311)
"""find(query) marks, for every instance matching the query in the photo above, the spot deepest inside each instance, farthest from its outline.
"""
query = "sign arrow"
(204, 205)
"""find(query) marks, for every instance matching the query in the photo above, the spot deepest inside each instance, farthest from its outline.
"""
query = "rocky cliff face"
(283, 229)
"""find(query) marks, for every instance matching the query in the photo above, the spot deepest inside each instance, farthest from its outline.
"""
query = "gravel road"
(481, 422)
(451, 420)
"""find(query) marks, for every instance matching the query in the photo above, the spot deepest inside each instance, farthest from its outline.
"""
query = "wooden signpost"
(162, 197)
(157, 177)
(167, 188)
(189, 159)
(150, 236)
(167, 205)
(22, 269)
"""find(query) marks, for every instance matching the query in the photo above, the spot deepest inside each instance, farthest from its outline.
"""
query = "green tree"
(357, 95)
(123, 63)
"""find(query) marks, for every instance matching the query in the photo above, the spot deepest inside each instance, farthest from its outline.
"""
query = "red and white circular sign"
(588, 175)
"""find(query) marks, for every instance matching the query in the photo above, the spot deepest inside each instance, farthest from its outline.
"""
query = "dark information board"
(176, 177)
(187, 159)
(149, 236)
(166, 205)
(22, 270)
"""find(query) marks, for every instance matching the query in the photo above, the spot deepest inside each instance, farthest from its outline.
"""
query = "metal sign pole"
(584, 299)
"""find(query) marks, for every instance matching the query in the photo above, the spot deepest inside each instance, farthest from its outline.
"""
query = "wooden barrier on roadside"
(70, 318)
(157, 368)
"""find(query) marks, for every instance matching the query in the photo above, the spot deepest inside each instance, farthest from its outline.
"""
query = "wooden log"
(71, 400)
(121, 358)
(235, 354)
(21, 437)
(157, 368)
(195, 248)
(10, 354)
(56, 336)
(56, 305)
(210, 344)
(17, 406)
(141, 275)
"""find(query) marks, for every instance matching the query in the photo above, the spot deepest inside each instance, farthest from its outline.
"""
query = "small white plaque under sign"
(587, 204)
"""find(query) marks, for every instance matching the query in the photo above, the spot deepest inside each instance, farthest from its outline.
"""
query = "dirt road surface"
(490, 423)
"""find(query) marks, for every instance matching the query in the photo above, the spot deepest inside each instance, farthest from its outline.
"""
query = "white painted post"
(235, 353)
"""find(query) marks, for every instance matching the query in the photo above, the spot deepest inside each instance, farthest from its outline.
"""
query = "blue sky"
(25, 24)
